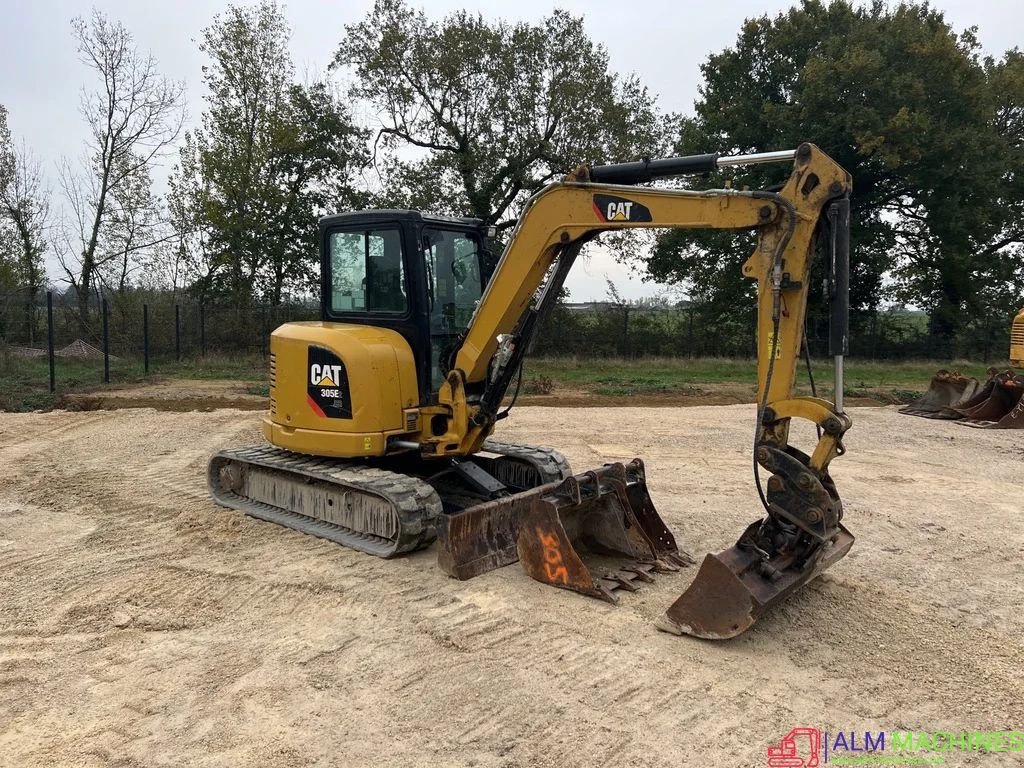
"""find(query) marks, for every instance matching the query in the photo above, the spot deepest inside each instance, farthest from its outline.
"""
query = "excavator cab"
(416, 274)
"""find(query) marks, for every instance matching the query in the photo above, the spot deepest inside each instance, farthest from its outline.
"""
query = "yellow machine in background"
(382, 413)
(1017, 341)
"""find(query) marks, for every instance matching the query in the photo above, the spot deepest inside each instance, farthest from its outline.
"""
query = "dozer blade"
(1004, 407)
(945, 389)
(606, 515)
(736, 586)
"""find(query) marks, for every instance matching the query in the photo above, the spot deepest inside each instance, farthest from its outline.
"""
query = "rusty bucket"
(598, 533)
(945, 391)
(1003, 408)
(595, 533)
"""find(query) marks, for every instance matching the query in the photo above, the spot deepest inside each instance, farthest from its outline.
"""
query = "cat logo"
(327, 391)
(324, 375)
(618, 211)
(611, 208)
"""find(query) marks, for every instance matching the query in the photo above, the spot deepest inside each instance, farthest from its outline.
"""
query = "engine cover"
(338, 389)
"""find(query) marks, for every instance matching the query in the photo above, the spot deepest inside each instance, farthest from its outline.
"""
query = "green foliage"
(931, 133)
(272, 156)
(496, 109)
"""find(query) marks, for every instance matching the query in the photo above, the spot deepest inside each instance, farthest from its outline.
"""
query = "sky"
(662, 41)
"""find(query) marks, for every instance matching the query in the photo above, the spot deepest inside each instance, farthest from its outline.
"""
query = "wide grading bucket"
(799, 538)
(594, 533)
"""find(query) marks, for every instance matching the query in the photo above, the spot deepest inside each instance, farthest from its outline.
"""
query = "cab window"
(453, 276)
(367, 273)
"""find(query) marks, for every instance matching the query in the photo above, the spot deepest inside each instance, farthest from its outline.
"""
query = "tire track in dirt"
(242, 643)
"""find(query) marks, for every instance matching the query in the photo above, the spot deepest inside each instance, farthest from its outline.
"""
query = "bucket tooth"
(626, 581)
(641, 571)
(676, 560)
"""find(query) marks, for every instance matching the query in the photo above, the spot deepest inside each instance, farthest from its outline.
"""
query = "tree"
(476, 115)
(24, 208)
(904, 103)
(271, 157)
(134, 118)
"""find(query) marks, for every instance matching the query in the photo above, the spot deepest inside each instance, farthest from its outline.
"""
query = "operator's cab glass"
(454, 282)
(367, 271)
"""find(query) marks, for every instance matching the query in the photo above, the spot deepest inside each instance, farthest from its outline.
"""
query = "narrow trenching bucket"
(1004, 407)
(598, 533)
(945, 389)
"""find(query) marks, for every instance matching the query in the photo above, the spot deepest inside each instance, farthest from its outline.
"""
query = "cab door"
(369, 277)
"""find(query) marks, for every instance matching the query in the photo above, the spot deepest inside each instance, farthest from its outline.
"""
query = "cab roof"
(374, 215)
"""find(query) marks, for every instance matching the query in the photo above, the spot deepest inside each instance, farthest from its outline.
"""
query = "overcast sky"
(663, 41)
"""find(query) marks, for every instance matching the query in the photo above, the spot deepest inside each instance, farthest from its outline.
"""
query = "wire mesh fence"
(130, 335)
(57, 338)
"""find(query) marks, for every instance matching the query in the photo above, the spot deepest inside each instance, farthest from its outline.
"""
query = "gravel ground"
(141, 625)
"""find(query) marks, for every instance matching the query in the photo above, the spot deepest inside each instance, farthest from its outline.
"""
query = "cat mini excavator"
(381, 414)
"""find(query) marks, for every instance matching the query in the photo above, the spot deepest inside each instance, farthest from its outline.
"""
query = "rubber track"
(551, 464)
(417, 504)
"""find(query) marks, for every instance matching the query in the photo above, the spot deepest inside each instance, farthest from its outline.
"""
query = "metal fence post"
(145, 338)
(689, 335)
(202, 330)
(177, 332)
(106, 345)
(264, 337)
(49, 339)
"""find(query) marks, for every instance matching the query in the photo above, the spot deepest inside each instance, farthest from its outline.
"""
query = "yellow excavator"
(382, 413)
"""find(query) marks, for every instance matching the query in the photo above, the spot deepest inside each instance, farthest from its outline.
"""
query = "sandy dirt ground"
(141, 625)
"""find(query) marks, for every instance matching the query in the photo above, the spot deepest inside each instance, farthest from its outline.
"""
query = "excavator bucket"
(594, 533)
(971, 390)
(598, 533)
(735, 587)
(960, 409)
(797, 541)
(945, 391)
(1003, 408)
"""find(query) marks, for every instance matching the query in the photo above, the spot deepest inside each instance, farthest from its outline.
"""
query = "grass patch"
(25, 382)
(609, 376)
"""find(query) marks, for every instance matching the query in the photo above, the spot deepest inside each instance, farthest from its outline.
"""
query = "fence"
(151, 328)
(610, 330)
(147, 331)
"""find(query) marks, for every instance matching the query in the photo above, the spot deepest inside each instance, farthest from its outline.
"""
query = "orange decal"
(553, 566)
